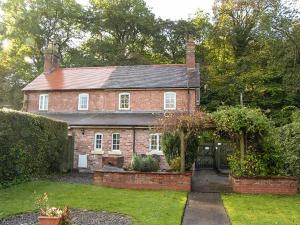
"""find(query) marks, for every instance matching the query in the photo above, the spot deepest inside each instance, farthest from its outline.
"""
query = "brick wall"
(84, 144)
(265, 185)
(108, 101)
(139, 180)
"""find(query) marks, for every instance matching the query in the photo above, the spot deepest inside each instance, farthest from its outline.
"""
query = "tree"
(184, 125)
(29, 26)
(245, 127)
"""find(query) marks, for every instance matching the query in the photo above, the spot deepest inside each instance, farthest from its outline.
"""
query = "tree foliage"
(245, 127)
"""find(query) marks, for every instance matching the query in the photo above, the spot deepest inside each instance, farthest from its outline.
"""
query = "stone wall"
(264, 185)
(140, 180)
(108, 100)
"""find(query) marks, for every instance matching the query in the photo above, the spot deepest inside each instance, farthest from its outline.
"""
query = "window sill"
(97, 152)
(115, 152)
(155, 153)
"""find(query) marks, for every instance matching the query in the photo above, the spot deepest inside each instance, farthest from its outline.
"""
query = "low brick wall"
(264, 185)
(140, 180)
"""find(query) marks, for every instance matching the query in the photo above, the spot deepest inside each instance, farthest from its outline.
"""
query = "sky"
(178, 9)
(174, 9)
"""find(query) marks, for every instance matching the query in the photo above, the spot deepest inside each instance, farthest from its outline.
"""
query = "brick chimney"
(190, 54)
(51, 62)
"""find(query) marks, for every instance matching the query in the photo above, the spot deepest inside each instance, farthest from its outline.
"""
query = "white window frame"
(165, 98)
(42, 105)
(158, 150)
(120, 95)
(115, 151)
(79, 97)
(98, 150)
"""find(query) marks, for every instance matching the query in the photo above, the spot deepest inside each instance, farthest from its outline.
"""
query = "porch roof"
(105, 119)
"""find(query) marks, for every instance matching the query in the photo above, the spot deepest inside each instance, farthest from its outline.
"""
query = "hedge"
(30, 146)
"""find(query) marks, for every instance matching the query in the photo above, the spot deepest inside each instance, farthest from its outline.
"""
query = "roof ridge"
(97, 67)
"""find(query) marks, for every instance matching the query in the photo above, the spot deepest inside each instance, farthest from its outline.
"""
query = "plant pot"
(45, 220)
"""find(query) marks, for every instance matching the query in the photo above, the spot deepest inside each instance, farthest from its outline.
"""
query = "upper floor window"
(115, 141)
(98, 142)
(43, 102)
(155, 142)
(83, 102)
(124, 101)
(170, 100)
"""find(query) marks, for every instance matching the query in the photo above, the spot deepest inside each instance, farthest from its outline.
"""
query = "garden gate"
(213, 156)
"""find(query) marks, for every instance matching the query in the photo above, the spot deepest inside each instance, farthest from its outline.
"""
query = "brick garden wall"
(108, 100)
(265, 185)
(140, 180)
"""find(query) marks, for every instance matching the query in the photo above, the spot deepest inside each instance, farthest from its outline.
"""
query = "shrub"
(171, 149)
(256, 164)
(144, 163)
(289, 142)
(31, 145)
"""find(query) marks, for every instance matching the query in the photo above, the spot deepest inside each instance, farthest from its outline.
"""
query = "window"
(155, 142)
(43, 102)
(98, 142)
(115, 142)
(170, 101)
(124, 101)
(83, 101)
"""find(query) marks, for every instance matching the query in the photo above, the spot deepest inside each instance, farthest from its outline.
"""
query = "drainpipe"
(133, 141)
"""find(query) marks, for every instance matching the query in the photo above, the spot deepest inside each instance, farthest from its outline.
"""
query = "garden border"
(265, 185)
(144, 180)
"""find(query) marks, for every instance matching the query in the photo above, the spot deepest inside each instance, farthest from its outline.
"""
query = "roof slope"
(115, 77)
(105, 119)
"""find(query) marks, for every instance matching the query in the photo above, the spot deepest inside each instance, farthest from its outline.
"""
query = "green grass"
(262, 209)
(144, 207)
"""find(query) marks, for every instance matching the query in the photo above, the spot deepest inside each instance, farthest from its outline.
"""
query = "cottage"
(109, 109)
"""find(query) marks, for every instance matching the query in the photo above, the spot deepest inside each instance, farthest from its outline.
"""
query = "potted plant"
(50, 215)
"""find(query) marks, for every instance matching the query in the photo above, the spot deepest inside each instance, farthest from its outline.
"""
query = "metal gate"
(213, 156)
(206, 157)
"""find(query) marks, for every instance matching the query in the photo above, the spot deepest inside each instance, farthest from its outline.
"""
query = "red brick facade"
(84, 144)
(139, 180)
(108, 100)
(265, 185)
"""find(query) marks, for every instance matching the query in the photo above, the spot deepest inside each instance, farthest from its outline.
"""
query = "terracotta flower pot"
(45, 220)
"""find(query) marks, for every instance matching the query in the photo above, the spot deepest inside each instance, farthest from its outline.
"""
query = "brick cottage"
(110, 109)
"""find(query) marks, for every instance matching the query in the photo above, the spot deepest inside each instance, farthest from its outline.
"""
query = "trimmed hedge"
(30, 146)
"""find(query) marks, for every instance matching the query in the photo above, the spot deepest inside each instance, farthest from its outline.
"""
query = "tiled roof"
(105, 119)
(115, 77)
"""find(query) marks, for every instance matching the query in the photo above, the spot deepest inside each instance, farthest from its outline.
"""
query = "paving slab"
(205, 209)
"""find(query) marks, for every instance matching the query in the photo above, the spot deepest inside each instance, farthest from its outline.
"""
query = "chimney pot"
(51, 61)
(190, 54)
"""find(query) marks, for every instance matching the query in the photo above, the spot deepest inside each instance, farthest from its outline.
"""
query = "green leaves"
(30, 146)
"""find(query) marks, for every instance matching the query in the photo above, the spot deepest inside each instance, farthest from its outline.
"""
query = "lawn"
(262, 209)
(145, 207)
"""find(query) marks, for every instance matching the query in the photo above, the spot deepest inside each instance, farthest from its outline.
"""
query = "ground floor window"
(155, 142)
(115, 141)
(98, 142)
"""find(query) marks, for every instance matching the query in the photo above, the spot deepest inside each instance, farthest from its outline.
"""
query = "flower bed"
(264, 185)
(144, 180)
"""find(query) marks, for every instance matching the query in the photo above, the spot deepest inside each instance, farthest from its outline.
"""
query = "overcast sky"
(174, 9)
(178, 9)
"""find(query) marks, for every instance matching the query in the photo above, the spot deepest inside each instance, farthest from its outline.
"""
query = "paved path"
(210, 181)
(205, 209)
